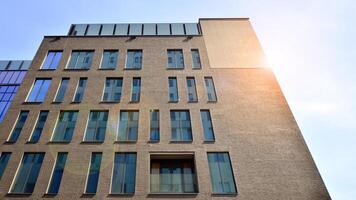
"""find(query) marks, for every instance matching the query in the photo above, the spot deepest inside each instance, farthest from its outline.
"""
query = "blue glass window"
(154, 125)
(196, 59)
(173, 89)
(192, 91)
(136, 90)
(134, 59)
(110, 58)
(124, 174)
(80, 60)
(210, 89)
(4, 159)
(96, 127)
(79, 93)
(113, 87)
(94, 171)
(65, 126)
(37, 131)
(39, 90)
(175, 59)
(222, 177)
(181, 129)
(7, 93)
(52, 60)
(18, 126)
(207, 125)
(128, 126)
(27, 174)
(57, 173)
(62, 90)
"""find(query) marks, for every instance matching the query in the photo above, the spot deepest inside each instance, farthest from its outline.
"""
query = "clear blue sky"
(311, 45)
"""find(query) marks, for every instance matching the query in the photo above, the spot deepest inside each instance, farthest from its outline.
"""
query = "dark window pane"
(57, 173)
(80, 60)
(79, 93)
(180, 126)
(62, 90)
(154, 125)
(52, 60)
(192, 92)
(136, 89)
(173, 89)
(18, 127)
(196, 59)
(94, 171)
(210, 89)
(128, 126)
(134, 59)
(37, 131)
(65, 126)
(175, 59)
(207, 125)
(110, 59)
(96, 127)
(4, 159)
(113, 87)
(39, 90)
(124, 173)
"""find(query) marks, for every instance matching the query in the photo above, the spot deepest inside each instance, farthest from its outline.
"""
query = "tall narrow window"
(4, 159)
(134, 59)
(62, 90)
(181, 126)
(39, 90)
(112, 91)
(57, 173)
(207, 125)
(79, 93)
(136, 90)
(196, 59)
(154, 125)
(128, 126)
(96, 127)
(124, 174)
(192, 91)
(175, 59)
(18, 126)
(222, 177)
(173, 89)
(37, 131)
(80, 60)
(110, 58)
(65, 126)
(210, 89)
(93, 175)
(52, 60)
(27, 174)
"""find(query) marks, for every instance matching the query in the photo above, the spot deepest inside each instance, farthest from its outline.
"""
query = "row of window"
(83, 59)
(113, 87)
(168, 174)
(181, 129)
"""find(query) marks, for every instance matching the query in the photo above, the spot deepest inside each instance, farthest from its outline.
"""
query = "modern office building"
(154, 111)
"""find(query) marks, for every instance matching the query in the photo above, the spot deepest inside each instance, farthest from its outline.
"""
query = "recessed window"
(7, 93)
(65, 126)
(52, 60)
(110, 58)
(134, 59)
(175, 59)
(173, 89)
(57, 173)
(128, 126)
(112, 92)
(27, 173)
(79, 92)
(136, 89)
(39, 90)
(221, 175)
(61, 90)
(196, 59)
(37, 131)
(4, 159)
(124, 173)
(96, 127)
(80, 60)
(18, 126)
(192, 91)
(154, 125)
(181, 129)
(173, 174)
(207, 125)
(93, 175)
(210, 89)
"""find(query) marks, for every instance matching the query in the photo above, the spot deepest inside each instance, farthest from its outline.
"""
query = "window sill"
(195, 101)
(169, 68)
(106, 69)
(46, 69)
(224, 194)
(212, 101)
(67, 69)
(134, 102)
(153, 141)
(172, 194)
(9, 142)
(92, 142)
(75, 102)
(58, 142)
(172, 101)
(121, 195)
(56, 102)
(196, 68)
(50, 194)
(31, 103)
(31, 142)
(10, 194)
(132, 68)
(126, 142)
(109, 102)
(181, 141)
(209, 141)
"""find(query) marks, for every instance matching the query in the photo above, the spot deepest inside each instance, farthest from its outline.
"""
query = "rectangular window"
(18, 126)
(196, 59)
(222, 177)
(39, 90)
(192, 91)
(93, 174)
(175, 59)
(181, 129)
(154, 125)
(79, 93)
(27, 173)
(4, 159)
(65, 126)
(124, 173)
(210, 89)
(134, 59)
(175, 174)
(110, 58)
(136, 90)
(52, 60)
(57, 173)
(7, 93)
(207, 125)
(62, 90)
(173, 89)
(128, 126)
(80, 60)
(112, 91)
(37, 131)
(96, 127)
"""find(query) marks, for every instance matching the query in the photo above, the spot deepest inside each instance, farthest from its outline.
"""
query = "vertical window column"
(196, 59)
(154, 125)
(4, 159)
(192, 91)
(18, 126)
(37, 131)
(93, 175)
(173, 89)
(210, 89)
(207, 125)
(124, 173)
(136, 90)
(57, 173)
(61, 90)
(79, 93)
